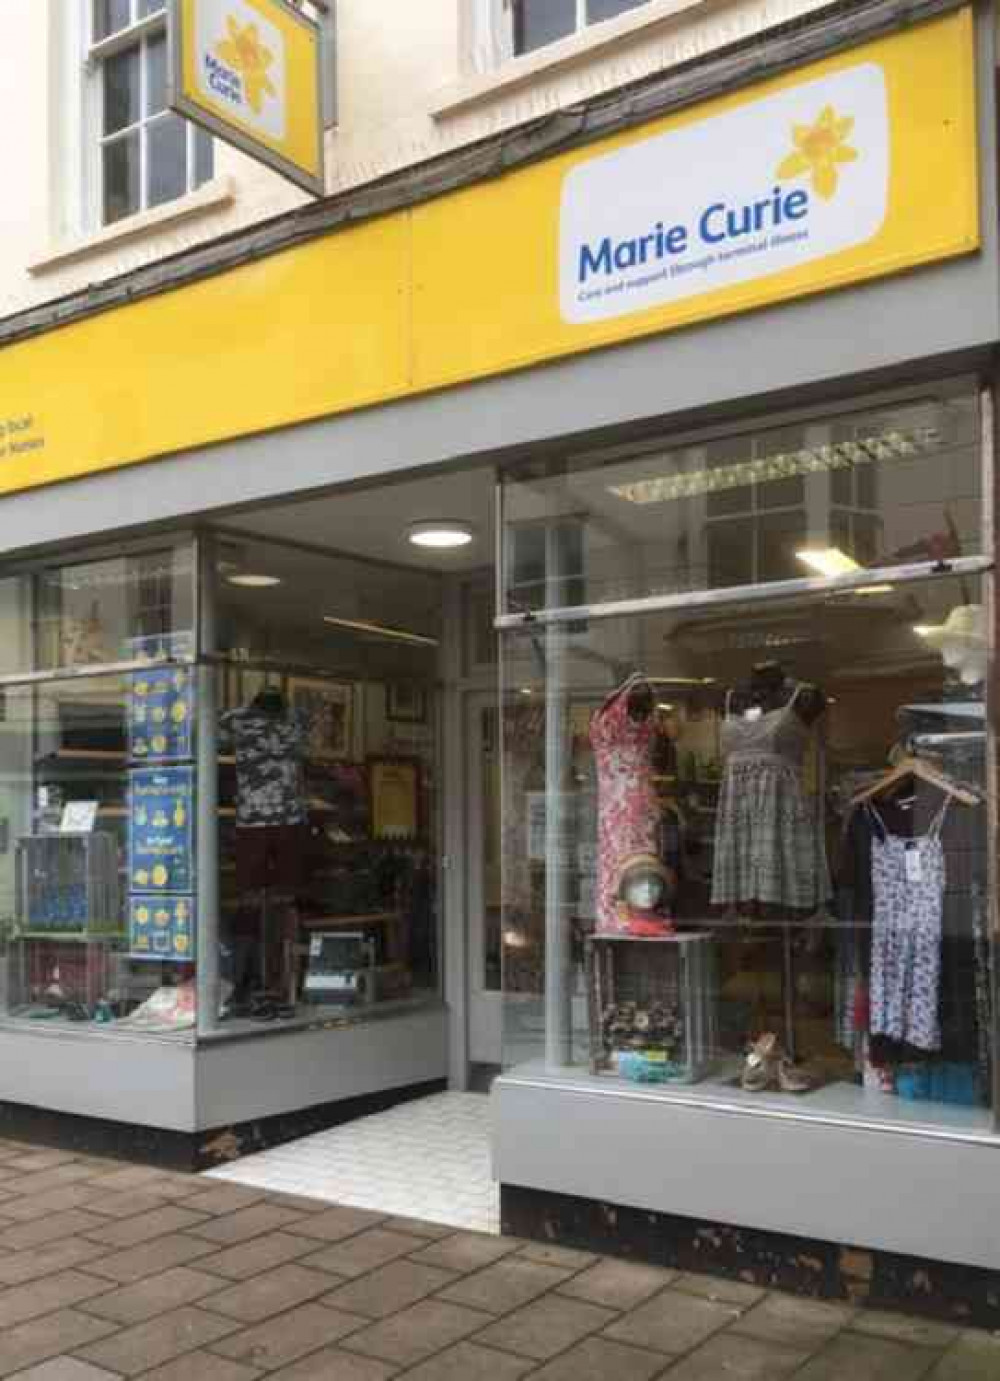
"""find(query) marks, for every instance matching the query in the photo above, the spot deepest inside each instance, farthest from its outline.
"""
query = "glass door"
(483, 879)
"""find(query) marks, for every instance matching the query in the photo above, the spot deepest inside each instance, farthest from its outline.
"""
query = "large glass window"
(745, 837)
(540, 22)
(328, 784)
(98, 869)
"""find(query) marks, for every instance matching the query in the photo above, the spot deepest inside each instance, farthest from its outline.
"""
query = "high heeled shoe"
(759, 1069)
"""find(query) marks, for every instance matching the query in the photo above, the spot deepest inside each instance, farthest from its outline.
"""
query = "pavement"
(113, 1271)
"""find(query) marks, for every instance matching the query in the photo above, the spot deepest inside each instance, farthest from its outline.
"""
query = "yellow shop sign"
(249, 71)
(854, 167)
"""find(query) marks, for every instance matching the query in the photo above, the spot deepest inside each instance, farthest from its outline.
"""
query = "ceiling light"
(828, 561)
(440, 534)
(381, 630)
(873, 590)
(924, 630)
(251, 581)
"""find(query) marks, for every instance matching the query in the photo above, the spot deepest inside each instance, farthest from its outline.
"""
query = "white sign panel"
(241, 61)
(782, 182)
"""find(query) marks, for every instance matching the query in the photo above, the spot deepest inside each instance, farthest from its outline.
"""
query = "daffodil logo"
(819, 151)
(244, 52)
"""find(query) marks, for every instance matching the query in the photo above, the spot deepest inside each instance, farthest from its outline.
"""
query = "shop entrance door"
(483, 878)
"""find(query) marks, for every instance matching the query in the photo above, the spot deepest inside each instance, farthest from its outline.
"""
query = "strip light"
(381, 630)
(810, 460)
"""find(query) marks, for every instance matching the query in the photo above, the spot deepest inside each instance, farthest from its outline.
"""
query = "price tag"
(914, 863)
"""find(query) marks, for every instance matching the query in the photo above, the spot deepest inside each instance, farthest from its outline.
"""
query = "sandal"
(791, 1079)
(759, 1069)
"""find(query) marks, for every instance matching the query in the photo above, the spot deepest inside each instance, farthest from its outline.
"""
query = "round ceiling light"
(250, 581)
(440, 534)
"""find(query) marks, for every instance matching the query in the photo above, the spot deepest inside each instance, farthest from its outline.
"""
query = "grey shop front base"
(166, 1101)
(900, 1216)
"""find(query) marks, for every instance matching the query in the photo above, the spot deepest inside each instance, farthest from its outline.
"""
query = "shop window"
(144, 155)
(98, 801)
(745, 839)
(328, 785)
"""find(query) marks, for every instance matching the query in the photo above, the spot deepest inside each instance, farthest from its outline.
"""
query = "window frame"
(582, 25)
(137, 34)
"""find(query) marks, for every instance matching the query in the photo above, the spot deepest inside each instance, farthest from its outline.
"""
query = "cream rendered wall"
(406, 93)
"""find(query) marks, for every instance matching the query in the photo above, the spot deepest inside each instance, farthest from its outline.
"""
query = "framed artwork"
(395, 797)
(328, 709)
(406, 703)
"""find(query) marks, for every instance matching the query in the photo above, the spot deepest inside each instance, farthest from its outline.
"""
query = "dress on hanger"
(628, 813)
(769, 845)
(908, 882)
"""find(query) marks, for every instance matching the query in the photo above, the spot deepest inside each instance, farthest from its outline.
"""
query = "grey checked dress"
(768, 834)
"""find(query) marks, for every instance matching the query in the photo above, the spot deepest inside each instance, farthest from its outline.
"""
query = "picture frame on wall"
(406, 702)
(328, 709)
(395, 797)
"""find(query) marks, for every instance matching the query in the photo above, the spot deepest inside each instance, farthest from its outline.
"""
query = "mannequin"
(769, 687)
(269, 743)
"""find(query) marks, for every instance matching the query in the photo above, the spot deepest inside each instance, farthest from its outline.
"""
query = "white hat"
(962, 642)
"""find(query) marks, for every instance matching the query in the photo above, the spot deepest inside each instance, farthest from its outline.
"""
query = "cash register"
(341, 968)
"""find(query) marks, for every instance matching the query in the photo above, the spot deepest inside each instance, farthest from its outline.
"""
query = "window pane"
(121, 90)
(537, 22)
(204, 156)
(607, 9)
(156, 74)
(148, 7)
(109, 17)
(121, 178)
(689, 908)
(166, 153)
(655, 519)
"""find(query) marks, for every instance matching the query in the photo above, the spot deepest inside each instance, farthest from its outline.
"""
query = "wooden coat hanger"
(924, 772)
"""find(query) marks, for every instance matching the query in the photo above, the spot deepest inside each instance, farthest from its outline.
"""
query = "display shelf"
(63, 937)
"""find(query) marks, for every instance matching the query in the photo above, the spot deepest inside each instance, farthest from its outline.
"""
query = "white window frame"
(137, 34)
(583, 24)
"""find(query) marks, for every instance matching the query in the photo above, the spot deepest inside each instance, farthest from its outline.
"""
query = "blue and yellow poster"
(161, 703)
(161, 928)
(160, 835)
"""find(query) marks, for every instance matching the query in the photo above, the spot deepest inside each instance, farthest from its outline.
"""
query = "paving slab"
(47, 1337)
(357, 1255)
(334, 1365)
(472, 1362)
(739, 1358)
(466, 1251)
(60, 1291)
(260, 1297)
(155, 1294)
(261, 1254)
(129, 1232)
(904, 1328)
(416, 1333)
(855, 1357)
(973, 1357)
(805, 1324)
(506, 1285)
(247, 1223)
(201, 1366)
(35, 1262)
(148, 1345)
(601, 1359)
(718, 1288)
(333, 1224)
(551, 1255)
(72, 1222)
(547, 1326)
(389, 1289)
(289, 1336)
(618, 1284)
(64, 1369)
(176, 1249)
(671, 1322)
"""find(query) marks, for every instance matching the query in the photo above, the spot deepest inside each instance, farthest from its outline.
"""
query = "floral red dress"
(627, 808)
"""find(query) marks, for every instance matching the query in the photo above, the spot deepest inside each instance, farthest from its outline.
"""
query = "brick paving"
(116, 1272)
